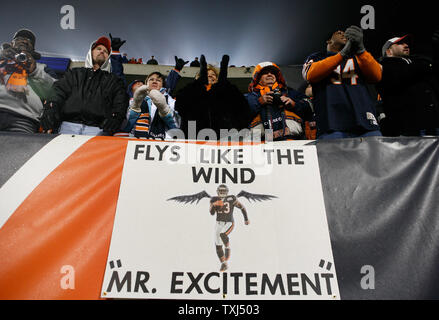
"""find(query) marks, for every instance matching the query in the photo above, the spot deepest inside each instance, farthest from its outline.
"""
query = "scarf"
(14, 77)
(263, 90)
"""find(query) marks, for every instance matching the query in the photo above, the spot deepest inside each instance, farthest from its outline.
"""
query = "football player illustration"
(223, 206)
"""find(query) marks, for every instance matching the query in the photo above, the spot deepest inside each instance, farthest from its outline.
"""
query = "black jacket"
(410, 92)
(89, 97)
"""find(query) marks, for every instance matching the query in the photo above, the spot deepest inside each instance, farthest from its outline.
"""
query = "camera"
(21, 57)
(276, 97)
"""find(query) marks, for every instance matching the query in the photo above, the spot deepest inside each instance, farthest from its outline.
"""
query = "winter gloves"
(50, 119)
(160, 102)
(347, 49)
(113, 123)
(355, 35)
(179, 63)
(223, 69)
(203, 70)
(18, 53)
(355, 44)
(138, 97)
(116, 43)
(156, 96)
(7, 51)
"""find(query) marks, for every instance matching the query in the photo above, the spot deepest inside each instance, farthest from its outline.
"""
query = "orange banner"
(66, 221)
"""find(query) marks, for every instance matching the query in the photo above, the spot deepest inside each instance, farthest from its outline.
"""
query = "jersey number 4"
(348, 73)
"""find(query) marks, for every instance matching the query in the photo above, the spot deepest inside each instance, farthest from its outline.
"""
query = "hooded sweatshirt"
(29, 105)
(89, 61)
(88, 96)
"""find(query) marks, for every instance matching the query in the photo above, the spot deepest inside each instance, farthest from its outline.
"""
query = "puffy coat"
(89, 97)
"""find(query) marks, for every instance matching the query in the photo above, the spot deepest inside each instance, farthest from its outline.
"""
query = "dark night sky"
(283, 31)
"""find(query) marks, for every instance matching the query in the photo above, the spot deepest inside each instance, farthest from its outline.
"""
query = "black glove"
(22, 45)
(223, 70)
(355, 34)
(423, 64)
(50, 119)
(203, 70)
(113, 123)
(347, 49)
(116, 43)
(179, 63)
(7, 52)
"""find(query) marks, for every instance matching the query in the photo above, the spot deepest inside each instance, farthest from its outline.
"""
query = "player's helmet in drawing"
(222, 190)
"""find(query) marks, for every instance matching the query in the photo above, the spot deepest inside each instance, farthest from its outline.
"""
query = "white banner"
(199, 221)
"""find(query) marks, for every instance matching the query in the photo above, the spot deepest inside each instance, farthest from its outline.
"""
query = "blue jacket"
(171, 82)
(117, 66)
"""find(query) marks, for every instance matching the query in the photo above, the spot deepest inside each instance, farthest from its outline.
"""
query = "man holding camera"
(276, 108)
(24, 83)
(343, 106)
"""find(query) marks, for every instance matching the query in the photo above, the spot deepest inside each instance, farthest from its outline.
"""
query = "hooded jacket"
(89, 97)
(285, 121)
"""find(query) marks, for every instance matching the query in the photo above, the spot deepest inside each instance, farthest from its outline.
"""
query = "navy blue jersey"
(342, 101)
(225, 213)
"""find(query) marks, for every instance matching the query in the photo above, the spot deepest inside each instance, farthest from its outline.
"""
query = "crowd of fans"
(334, 102)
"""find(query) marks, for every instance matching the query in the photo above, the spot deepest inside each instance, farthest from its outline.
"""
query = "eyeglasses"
(268, 72)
